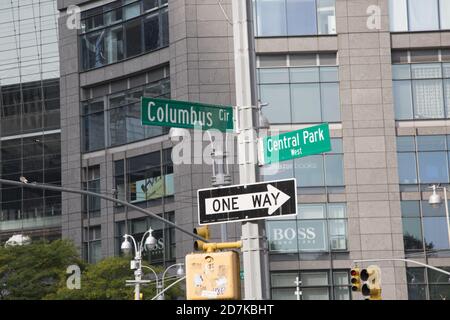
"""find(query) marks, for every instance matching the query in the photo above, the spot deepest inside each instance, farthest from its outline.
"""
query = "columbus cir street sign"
(247, 202)
(182, 114)
(295, 144)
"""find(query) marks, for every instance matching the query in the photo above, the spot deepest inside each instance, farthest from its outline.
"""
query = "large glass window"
(312, 285)
(294, 17)
(421, 90)
(119, 114)
(121, 30)
(423, 159)
(93, 244)
(419, 15)
(424, 227)
(297, 92)
(29, 107)
(38, 158)
(149, 177)
(427, 284)
(318, 228)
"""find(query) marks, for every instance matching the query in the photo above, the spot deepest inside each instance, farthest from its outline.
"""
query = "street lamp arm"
(405, 260)
(156, 275)
(168, 287)
(136, 252)
(43, 186)
(165, 271)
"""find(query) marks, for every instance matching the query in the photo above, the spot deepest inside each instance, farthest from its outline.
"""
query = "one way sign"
(247, 202)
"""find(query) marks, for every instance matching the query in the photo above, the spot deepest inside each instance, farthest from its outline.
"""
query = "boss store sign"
(295, 236)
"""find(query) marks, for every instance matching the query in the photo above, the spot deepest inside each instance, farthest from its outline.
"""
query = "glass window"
(412, 234)
(273, 75)
(401, 71)
(329, 99)
(435, 233)
(114, 44)
(428, 99)
(301, 17)
(402, 99)
(271, 17)
(431, 143)
(326, 16)
(120, 33)
(304, 74)
(426, 71)
(278, 97)
(417, 292)
(295, 17)
(398, 15)
(406, 143)
(315, 294)
(334, 170)
(428, 55)
(309, 171)
(444, 8)
(133, 30)
(447, 96)
(305, 103)
(407, 169)
(312, 211)
(305, 59)
(152, 32)
(423, 15)
(433, 167)
(272, 60)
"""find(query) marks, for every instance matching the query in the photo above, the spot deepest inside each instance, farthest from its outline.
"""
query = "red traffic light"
(353, 272)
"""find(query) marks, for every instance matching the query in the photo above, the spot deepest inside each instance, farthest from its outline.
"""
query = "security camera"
(23, 179)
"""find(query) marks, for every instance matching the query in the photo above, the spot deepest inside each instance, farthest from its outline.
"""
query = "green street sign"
(183, 114)
(296, 144)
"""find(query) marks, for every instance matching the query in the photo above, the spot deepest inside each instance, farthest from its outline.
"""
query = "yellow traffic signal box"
(372, 282)
(213, 276)
(355, 279)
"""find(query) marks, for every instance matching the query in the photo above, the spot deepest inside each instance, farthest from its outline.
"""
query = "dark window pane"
(424, 55)
(440, 292)
(410, 208)
(417, 292)
(415, 275)
(399, 56)
(94, 131)
(412, 234)
(133, 31)
(435, 232)
(152, 32)
(114, 44)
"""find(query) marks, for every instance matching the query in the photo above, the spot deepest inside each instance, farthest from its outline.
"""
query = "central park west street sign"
(295, 144)
(189, 115)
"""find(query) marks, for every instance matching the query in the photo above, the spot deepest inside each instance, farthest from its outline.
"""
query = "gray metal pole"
(246, 102)
(43, 186)
(446, 214)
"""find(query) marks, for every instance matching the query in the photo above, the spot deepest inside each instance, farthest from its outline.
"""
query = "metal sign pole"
(253, 244)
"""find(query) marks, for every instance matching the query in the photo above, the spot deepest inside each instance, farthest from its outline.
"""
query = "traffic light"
(204, 233)
(372, 282)
(213, 276)
(355, 279)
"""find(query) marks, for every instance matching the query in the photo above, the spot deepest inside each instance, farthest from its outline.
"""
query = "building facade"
(377, 71)
(30, 119)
